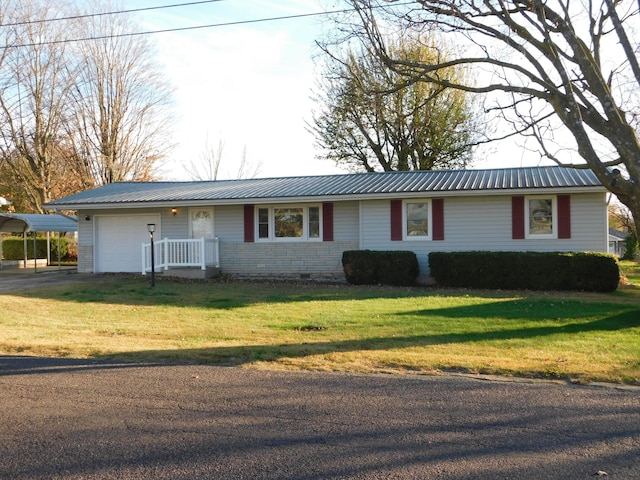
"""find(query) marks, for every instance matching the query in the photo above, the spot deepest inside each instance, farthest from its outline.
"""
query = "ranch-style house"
(298, 227)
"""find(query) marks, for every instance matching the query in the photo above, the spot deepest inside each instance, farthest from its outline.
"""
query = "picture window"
(289, 223)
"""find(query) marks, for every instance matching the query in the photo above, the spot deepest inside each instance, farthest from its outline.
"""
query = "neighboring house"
(617, 241)
(298, 227)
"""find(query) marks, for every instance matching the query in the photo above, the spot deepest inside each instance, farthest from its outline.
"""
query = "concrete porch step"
(194, 272)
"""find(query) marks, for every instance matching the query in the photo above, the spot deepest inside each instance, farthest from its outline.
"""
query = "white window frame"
(554, 219)
(305, 223)
(417, 238)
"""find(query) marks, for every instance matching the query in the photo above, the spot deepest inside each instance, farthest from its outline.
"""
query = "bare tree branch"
(577, 61)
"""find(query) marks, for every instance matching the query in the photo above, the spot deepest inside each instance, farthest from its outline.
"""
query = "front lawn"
(581, 337)
(631, 272)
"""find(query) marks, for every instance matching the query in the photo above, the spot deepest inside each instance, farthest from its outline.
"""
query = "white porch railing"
(196, 252)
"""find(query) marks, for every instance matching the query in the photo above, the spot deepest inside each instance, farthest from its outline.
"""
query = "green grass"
(631, 272)
(577, 336)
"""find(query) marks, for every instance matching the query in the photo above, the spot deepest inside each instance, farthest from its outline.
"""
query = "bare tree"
(248, 168)
(620, 217)
(209, 166)
(120, 115)
(34, 93)
(567, 74)
(75, 114)
(371, 119)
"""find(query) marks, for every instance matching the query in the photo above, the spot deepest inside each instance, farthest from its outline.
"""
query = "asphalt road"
(75, 419)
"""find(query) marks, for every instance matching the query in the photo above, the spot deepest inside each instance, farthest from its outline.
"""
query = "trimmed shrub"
(13, 248)
(374, 267)
(596, 272)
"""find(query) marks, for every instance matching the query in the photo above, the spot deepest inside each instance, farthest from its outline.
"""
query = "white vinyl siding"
(346, 221)
(484, 223)
(472, 222)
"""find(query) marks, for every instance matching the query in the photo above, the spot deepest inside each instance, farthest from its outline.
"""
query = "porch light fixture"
(174, 211)
(151, 227)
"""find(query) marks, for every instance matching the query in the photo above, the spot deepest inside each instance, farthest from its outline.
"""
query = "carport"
(33, 222)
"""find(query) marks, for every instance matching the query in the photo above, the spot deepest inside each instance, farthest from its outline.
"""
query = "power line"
(99, 14)
(181, 29)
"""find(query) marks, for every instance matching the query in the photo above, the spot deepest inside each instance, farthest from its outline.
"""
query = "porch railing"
(168, 253)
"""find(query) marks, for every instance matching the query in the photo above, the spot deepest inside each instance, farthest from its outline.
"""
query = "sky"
(249, 86)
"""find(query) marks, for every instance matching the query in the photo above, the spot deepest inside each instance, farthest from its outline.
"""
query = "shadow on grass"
(239, 355)
(310, 345)
(532, 308)
(134, 290)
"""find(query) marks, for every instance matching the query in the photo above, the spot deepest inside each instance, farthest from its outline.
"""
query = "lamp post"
(151, 227)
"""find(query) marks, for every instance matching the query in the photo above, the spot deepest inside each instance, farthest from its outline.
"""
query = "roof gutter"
(323, 198)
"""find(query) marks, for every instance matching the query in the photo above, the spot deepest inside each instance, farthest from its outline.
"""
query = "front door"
(201, 226)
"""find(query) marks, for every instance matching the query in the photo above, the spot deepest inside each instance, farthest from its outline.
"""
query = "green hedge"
(596, 272)
(13, 248)
(371, 267)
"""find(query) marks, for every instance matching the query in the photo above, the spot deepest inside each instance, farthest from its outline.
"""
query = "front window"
(282, 223)
(314, 222)
(288, 222)
(263, 223)
(417, 220)
(541, 217)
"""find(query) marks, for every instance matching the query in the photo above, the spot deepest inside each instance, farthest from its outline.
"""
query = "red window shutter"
(437, 204)
(564, 216)
(396, 220)
(517, 218)
(249, 224)
(327, 222)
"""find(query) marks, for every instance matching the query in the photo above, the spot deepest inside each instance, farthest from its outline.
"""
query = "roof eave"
(322, 198)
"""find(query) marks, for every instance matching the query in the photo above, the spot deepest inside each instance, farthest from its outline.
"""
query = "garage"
(119, 239)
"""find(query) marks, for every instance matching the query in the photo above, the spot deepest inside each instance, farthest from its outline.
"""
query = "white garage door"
(119, 239)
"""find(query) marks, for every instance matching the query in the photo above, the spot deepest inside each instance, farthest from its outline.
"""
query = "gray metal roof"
(618, 234)
(33, 222)
(357, 185)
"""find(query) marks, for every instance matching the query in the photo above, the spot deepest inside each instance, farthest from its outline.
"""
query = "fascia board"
(325, 198)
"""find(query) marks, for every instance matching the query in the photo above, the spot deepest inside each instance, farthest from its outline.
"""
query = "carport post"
(24, 241)
(35, 254)
(59, 260)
